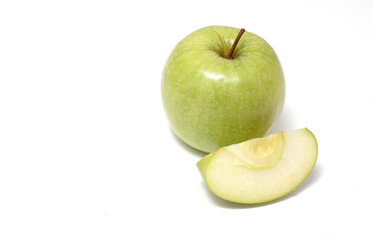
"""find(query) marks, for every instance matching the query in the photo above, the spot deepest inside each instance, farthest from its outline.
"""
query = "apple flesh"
(214, 100)
(261, 169)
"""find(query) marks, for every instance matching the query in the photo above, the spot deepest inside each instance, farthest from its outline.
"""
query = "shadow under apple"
(285, 122)
(188, 148)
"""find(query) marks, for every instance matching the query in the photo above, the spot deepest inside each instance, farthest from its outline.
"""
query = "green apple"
(222, 86)
(260, 169)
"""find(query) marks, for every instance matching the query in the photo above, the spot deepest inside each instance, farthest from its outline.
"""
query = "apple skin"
(212, 101)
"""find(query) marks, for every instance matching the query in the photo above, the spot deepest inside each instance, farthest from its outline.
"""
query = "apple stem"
(230, 53)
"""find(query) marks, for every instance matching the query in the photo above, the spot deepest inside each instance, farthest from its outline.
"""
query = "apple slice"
(260, 169)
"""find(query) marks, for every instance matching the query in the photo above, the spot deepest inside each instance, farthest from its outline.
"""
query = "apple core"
(259, 153)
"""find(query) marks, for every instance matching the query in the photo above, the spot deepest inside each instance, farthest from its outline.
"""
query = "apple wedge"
(260, 169)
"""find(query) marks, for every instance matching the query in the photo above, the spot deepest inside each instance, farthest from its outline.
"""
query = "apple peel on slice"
(261, 169)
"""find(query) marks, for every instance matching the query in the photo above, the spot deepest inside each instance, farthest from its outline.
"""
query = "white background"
(86, 151)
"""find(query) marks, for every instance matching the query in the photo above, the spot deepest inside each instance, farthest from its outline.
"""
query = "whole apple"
(222, 86)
